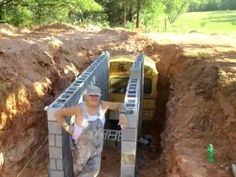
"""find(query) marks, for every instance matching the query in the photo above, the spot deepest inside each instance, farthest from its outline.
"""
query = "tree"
(173, 9)
(139, 3)
(152, 10)
(31, 12)
(119, 12)
(229, 4)
(80, 7)
(4, 4)
(210, 5)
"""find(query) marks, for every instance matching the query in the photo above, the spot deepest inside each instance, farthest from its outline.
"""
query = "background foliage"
(155, 14)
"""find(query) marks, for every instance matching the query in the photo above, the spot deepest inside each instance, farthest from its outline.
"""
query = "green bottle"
(211, 153)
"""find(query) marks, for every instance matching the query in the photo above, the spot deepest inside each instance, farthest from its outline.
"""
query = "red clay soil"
(196, 98)
(35, 67)
(201, 84)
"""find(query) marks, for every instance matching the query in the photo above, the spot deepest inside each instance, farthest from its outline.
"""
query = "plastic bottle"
(211, 153)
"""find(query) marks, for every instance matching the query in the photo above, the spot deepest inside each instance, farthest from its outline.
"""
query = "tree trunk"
(1, 13)
(125, 13)
(138, 13)
(165, 24)
(130, 13)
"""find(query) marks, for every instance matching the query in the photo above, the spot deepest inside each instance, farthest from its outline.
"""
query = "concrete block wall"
(60, 158)
(133, 103)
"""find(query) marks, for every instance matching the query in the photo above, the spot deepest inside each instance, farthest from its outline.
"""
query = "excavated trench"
(149, 161)
(195, 104)
(195, 108)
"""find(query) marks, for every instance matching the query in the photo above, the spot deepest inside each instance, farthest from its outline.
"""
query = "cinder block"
(128, 147)
(52, 164)
(72, 88)
(65, 96)
(131, 100)
(78, 82)
(132, 120)
(52, 140)
(129, 134)
(57, 105)
(75, 97)
(56, 173)
(76, 85)
(59, 164)
(69, 92)
(54, 128)
(50, 113)
(58, 140)
(131, 105)
(60, 100)
(132, 91)
(135, 74)
(127, 171)
(128, 159)
(133, 80)
(55, 152)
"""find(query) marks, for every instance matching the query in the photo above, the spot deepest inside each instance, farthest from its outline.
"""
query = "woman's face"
(93, 100)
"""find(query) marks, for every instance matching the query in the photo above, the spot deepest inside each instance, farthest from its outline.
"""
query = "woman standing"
(88, 130)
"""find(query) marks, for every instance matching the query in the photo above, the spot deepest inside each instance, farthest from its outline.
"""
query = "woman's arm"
(60, 116)
(117, 106)
(114, 106)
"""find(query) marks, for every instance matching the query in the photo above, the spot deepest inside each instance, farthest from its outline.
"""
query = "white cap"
(94, 90)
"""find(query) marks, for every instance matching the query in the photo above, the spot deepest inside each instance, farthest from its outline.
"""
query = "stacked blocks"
(129, 135)
(60, 158)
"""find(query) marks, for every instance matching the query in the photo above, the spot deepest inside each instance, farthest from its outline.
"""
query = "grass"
(205, 22)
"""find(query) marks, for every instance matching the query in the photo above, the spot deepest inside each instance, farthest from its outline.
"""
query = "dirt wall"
(200, 110)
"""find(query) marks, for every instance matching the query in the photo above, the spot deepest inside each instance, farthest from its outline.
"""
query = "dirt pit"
(195, 106)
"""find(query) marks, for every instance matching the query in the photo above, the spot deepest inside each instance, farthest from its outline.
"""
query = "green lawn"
(205, 22)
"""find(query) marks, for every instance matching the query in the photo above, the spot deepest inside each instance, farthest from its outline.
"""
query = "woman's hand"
(79, 120)
(123, 121)
(67, 128)
(71, 131)
(62, 113)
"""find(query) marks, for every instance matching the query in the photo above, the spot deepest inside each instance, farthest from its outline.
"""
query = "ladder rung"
(114, 135)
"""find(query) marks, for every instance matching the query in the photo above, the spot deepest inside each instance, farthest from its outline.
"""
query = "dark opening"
(157, 125)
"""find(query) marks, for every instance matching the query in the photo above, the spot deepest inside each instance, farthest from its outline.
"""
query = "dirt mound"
(116, 31)
(8, 30)
(54, 26)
